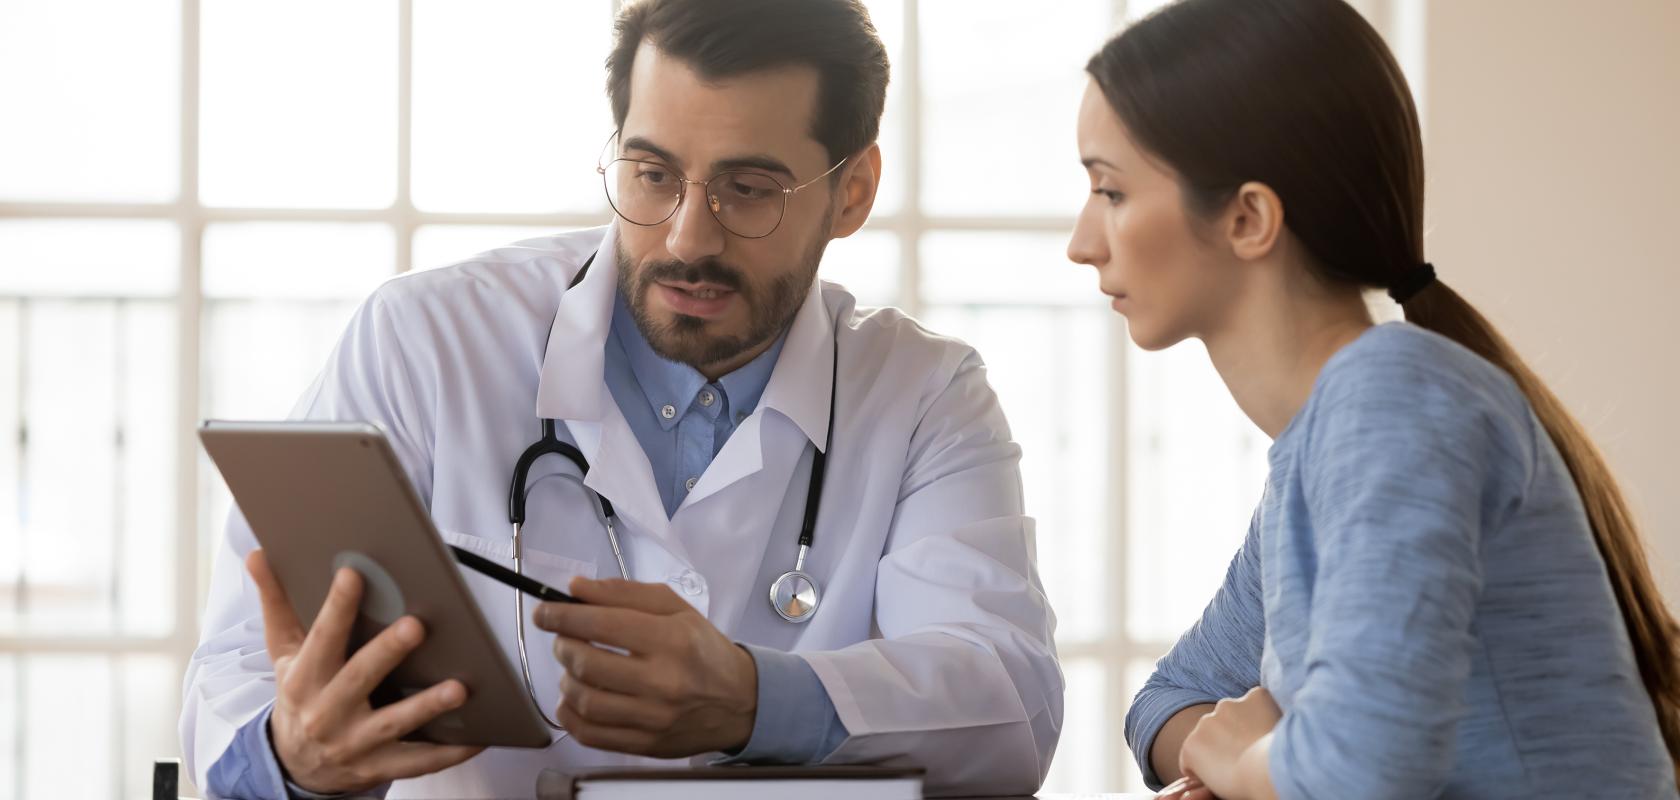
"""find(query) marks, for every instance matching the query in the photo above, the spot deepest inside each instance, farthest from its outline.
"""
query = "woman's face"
(1169, 283)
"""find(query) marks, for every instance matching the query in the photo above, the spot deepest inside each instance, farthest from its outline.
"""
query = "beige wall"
(1553, 144)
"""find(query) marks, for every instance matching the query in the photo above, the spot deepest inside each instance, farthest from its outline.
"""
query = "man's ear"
(860, 179)
(1253, 221)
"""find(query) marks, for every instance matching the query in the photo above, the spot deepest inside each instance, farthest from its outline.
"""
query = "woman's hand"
(1185, 788)
(1227, 750)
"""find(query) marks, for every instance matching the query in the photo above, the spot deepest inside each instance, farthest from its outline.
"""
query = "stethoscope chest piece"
(795, 596)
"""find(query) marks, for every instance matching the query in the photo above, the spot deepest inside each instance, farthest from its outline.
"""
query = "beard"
(685, 339)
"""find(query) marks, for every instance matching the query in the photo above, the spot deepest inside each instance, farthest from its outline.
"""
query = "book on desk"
(735, 783)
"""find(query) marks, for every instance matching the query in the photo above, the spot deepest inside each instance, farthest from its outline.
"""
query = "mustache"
(709, 270)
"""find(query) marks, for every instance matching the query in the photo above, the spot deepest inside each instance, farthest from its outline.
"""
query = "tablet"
(324, 495)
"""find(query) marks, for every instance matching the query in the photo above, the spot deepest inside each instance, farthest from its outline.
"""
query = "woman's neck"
(1275, 344)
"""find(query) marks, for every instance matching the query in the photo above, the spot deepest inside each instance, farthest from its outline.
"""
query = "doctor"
(703, 372)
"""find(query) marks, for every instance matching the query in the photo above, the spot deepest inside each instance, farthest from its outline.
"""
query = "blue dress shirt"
(681, 420)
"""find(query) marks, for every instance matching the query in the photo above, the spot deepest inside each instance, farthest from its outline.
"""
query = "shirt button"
(668, 412)
(690, 582)
(689, 484)
(707, 398)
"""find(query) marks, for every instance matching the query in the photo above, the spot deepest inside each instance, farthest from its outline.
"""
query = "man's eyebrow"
(756, 161)
(640, 143)
(759, 162)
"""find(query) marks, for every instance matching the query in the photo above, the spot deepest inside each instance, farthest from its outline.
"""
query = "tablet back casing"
(318, 495)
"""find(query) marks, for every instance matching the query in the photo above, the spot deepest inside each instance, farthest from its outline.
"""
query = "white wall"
(1553, 146)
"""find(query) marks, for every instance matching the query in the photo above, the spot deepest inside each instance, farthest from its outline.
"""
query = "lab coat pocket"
(496, 601)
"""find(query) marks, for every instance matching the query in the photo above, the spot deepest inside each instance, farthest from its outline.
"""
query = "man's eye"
(747, 191)
(748, 188)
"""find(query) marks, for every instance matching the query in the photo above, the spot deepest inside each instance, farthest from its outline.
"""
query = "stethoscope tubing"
(801, 605)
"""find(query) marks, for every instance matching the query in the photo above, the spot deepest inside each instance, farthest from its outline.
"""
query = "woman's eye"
(1110, 195)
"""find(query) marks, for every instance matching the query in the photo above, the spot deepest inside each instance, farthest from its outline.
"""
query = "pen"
(500, 573)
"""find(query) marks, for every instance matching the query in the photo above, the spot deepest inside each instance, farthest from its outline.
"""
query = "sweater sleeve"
(1404, 468)
(1218, 657)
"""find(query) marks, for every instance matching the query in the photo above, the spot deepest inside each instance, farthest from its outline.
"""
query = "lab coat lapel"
(798, 390)
(573, 389)
(571, 384)
(799, 387)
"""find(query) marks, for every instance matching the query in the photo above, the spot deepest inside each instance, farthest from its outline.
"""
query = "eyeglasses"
(747, 204)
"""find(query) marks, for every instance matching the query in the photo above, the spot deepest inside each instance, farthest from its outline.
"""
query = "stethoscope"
(794, 596)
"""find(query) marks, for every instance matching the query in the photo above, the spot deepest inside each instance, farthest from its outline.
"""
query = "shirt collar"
(665, 382)
(745, 386)
(572, 385)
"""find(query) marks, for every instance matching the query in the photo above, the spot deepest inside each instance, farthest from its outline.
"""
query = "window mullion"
(189, 303)
(404, 216)
(911, 223)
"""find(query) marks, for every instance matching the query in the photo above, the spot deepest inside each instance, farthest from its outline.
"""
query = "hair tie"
(1411, 283)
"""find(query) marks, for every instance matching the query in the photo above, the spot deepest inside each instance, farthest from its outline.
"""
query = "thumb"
(282, 632)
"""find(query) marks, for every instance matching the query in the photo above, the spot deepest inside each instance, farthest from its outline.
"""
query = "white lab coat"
(934, 638)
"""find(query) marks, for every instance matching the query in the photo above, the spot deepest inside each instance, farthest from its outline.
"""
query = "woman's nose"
(1086, 245)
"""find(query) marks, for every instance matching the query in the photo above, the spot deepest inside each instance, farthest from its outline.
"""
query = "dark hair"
(1304, 96)
(720, 38)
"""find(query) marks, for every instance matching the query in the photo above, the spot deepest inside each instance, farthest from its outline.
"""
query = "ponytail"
(1651, 627)
(1305, 97)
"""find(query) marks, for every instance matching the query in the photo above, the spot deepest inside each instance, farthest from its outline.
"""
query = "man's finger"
(604, 669)
(399, 760)
(281, 629)
(605, 737)
(324, 646)
(603, 707)
(634, 630)
(654, 598)
(389, 723)
(372, 662)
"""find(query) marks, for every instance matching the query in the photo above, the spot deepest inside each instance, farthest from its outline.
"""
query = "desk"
(166, 773)
(1104, 796)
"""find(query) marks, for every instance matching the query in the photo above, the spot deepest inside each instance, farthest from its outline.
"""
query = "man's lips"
(704, 300)
(703, 291)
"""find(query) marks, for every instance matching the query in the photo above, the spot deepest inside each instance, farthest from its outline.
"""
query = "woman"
(1442, 591)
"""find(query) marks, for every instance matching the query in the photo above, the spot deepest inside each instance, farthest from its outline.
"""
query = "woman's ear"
(857, 191)
(1254, 221)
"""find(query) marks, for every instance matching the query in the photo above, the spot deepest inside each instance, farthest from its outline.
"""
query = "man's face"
(700, 294)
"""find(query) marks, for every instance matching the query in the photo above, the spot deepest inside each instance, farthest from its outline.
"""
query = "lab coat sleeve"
(230, 679)
(963, 680)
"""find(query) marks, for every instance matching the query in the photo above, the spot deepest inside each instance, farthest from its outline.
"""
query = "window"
(187, 221)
